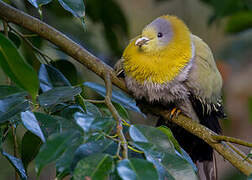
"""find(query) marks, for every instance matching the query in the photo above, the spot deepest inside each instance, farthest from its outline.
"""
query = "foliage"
(237, 12)
(65, 128)
(76, 136)
(115, 27)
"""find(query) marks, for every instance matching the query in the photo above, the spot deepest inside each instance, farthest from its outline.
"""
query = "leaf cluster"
(237, 12)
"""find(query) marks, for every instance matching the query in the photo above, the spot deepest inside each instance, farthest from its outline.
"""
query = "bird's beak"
(141, 41)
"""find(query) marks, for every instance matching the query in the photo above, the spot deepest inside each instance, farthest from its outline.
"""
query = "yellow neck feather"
(164, 65)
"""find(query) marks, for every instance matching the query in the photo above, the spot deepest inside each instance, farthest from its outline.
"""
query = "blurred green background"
(226, 26)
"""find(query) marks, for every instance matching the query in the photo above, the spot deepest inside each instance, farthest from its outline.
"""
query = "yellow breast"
(164, 65)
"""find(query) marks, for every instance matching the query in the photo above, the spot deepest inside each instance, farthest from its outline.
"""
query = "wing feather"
(204, 80)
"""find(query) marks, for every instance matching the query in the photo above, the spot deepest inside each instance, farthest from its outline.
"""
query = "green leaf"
(226, 8)
(117, 96)
(153, 155)
(7, 91)
(13, 64)
(168, 164)
(14, 38)
(178, 167)
(239, 22)
(90, 123)
(122, 111)
(57, 109)
(68, 112)
(17, 164)
(63, 164)
(12, 101)
(29, 148)
(38, 3)
(169, 134)
(50, 77)
(67, 69)
(30, 123)
(159, 150)
(54, 147)
(55, 124)
(58, 95)
(136, 169)
(102, 124)
(76, 7)
(148, 134)
(84, 120)
(97, 166)
(11, 107)
(48, 123)
(91, 109)
(90, 148)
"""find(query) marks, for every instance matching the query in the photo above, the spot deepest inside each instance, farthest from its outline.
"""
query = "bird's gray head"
(155, 35)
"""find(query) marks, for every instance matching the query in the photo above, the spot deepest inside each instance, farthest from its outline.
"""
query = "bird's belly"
(153, 92)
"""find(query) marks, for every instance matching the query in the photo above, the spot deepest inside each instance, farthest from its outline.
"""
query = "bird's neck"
(159, 67)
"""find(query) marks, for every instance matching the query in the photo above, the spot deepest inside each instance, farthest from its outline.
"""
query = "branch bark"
(93, 63)
(119, 127)
(232, 140)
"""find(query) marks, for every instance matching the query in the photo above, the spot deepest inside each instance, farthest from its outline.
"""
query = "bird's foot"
(174, 113)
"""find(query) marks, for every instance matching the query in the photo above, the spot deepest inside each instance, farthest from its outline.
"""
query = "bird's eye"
(160, 35)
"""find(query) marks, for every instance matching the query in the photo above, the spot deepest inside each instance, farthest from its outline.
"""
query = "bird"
(169, 67)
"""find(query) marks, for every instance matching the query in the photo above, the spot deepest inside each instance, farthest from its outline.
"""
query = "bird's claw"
(174, 113)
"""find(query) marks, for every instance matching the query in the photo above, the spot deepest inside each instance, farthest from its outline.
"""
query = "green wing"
(204, 80)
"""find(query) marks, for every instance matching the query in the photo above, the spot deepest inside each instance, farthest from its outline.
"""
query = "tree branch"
(31, 45)
(238, 151)
(80, 54)
(232, 140)
(119, 127)
(5, 25)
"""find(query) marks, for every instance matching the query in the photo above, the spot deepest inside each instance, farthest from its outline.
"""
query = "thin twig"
(219, 138)
(5, 25)
(94, 101)
(119, 127)
(31, 45)
(238, 151)
(118, 151)
(235, 149)
(111, 137)
(29, 35)
(133, 149)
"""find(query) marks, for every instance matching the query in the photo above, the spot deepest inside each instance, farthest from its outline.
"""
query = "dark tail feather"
(200, 152)
(209, 115)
